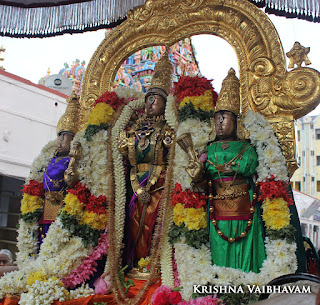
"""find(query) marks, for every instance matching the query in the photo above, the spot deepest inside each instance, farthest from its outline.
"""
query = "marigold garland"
(34, 188)
(110, 98)
(276, 214)
(203, 102)
(272, 188)
(30, 204)
(101, 114)
(96, 221)
(73, 206)
(193, 86)
(188, 198)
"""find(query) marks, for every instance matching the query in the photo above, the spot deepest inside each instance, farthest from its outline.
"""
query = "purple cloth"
(55, 171)
(134, 197)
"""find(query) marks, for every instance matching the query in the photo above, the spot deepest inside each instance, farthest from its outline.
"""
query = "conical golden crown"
(229, 96)
(162, 77)
(70, 120)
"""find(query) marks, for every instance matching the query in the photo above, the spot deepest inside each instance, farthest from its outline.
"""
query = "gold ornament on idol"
(162, 78)
(229, 100)
(70, 120)
(229, 96)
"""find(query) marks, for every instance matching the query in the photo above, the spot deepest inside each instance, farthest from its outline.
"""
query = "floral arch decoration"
(266, 86)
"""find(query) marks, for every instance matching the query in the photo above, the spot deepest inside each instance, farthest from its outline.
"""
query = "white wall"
(28, 118)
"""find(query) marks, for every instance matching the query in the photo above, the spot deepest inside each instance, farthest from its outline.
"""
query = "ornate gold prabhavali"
(265, 85)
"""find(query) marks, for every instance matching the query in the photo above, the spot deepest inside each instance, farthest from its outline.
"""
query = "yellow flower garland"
(276, 213)
(97, 222)
(204, 102)
(36, 276)
(30, 203)
(73, 206)
(101, 113)
(178, 214)
(194, 219)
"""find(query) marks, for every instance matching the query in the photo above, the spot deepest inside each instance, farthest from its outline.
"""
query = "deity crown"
(162, 77)
(229, 96)
(70, 120)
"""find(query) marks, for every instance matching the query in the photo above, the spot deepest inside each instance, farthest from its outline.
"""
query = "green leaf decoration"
(91, 130)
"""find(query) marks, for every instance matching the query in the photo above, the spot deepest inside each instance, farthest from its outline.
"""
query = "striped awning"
(302, 9)
(42, 18)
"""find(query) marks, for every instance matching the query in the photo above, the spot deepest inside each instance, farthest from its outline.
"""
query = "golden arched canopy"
(266, 86)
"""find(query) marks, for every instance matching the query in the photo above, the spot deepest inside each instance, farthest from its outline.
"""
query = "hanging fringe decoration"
(301, 9)
(57, 20)
(91, 15)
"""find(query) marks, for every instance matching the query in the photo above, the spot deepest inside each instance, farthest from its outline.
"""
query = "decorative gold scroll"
(265, 84)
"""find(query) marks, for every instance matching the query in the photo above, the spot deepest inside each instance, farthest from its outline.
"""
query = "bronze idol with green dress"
(230, 166)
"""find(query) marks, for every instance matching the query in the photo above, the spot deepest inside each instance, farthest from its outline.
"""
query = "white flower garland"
(13, 283)
(262, 136)
(44, 293)
(28, 233)
(119, 173)
(281, 259)
(92, 167)
(27, 244)
(81, 292)
(129, 93)
(170, 112)
(60, 253)
(166, 264)
(194, 264)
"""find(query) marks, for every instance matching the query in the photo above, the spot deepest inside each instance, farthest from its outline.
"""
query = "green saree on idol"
(231, 166)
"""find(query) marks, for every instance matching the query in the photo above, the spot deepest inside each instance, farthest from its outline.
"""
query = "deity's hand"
(123, 143)
(195, 170)
(70, 176)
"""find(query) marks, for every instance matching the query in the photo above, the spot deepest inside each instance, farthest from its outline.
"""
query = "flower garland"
(88, 266)
(119, 213)
(188, 86)
(67, 250)
(32, 205)
(119, 173)
(91, 168)
(262, 136)
(81, 292)
(170, 112)
(166, 259)
(84, 214)
(44, 292)
(279, 246)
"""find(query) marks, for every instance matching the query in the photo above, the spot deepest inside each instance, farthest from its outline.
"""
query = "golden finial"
(2, 49)
(298, 55)
(162, 77)
(48, 71)
(229, 96)
(70, 120)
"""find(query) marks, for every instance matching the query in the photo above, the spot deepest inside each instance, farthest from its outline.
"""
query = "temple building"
(137, 69)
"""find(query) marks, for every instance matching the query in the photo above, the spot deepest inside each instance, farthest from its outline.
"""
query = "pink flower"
(101, 286)
(87, 268)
